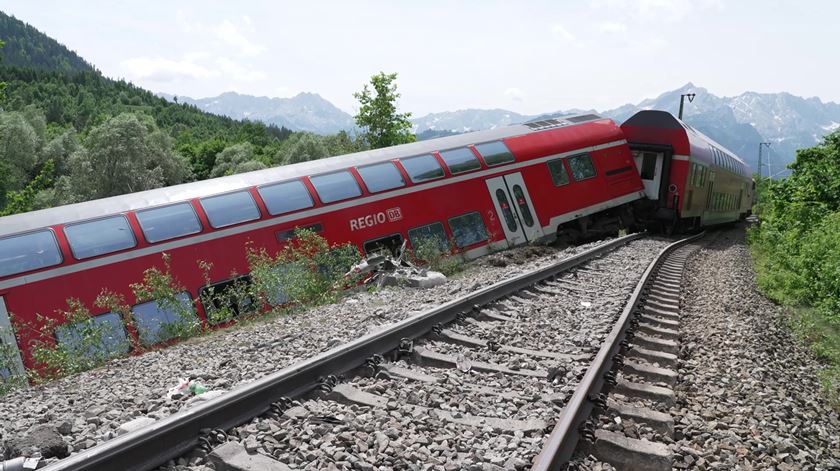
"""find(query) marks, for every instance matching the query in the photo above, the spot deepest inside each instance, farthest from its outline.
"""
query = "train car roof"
(92, 209)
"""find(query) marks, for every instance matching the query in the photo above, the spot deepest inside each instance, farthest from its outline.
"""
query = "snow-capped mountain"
(303, 112)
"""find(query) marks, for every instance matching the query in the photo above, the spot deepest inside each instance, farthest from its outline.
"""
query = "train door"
(650, 169)
(10, 362)
(513, 205)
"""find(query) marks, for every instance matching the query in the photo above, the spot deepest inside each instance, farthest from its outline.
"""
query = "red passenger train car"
(484, 190)
(690, 180)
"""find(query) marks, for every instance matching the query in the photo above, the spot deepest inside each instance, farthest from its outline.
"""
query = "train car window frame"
(151, 240)
(376, 179)
(379, 243)
(270, 200)
(325, 190)
(491, 158)
(469, 163)
(458, 230)
(419, 177)
(113, 346)
(591, 162)
(41, 250)
(552, 164)
(143, 325)
(230, 221)
(443, 242)
(85, 254)
(289, 234)
(237, 306)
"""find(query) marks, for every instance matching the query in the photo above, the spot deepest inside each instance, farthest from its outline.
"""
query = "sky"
(529, 56)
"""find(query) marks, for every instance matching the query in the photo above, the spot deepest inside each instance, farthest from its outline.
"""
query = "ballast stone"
(232, 456)
(39, 439)
(415, 280)
(135, 424)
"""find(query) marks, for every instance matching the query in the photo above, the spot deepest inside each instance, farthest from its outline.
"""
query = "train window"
(289, 234)
(285, 197)
(582, 167)
(468, 229)
(332, 187)
(558, 172)
(460, 160)
(230, 208)
(92, 238)
(422, 168)
(389, 245)
(495, 153)
(522, 203)
(158, 321)
(102, 336)
(381, 177)
(168, 222)
(648, 171)
(502, 199)
(227, 299)
(434, 232)
(27, 252)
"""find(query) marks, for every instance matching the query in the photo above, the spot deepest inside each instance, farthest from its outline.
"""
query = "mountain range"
(738, 123)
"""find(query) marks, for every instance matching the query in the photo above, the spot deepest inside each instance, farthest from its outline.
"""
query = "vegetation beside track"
(796, 249)
(307, 272)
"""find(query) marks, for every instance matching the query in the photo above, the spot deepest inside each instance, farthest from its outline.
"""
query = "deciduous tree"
(383, 126)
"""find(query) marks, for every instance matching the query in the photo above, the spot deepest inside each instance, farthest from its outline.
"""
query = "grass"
(811, 326)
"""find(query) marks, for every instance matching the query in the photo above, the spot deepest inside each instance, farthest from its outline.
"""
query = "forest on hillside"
(67, 137)
(69, 134)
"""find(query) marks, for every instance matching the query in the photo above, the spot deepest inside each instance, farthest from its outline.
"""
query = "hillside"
(41, 73)
(69, 134)
(27, 47)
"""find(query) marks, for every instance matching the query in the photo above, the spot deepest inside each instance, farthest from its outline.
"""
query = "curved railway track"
(481, 373)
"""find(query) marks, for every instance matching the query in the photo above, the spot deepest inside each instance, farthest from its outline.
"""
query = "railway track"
(478, 381)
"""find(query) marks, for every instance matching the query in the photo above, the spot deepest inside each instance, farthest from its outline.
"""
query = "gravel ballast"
(748, 396)
(89, 408)
(465, 418)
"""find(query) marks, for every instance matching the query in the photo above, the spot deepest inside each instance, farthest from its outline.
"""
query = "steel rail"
(561, 444)
(173, 436)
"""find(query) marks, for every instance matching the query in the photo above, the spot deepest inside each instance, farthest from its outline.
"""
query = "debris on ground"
(381, 269)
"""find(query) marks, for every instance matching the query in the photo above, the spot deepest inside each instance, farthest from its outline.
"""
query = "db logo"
(394, 214)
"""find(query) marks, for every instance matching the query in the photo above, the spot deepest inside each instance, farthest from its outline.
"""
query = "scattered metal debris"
(382, 269)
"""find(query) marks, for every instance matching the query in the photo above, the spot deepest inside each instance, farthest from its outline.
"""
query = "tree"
(124, 154)
(19, 147)
(2, 84)
(303, 148)
(234, 159)
(378, 116)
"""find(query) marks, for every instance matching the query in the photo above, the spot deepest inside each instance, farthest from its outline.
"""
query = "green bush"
(796, 249)
(307, 271)
(438, 255)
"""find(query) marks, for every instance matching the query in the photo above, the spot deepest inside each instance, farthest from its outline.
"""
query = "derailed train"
(570, 177)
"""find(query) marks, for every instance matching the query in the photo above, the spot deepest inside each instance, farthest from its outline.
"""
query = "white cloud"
(514, 93)
(656, 10)
(229, 33)
(562, 33)
(612, 27)
(165, 70)
(238, 71)
(194, 65)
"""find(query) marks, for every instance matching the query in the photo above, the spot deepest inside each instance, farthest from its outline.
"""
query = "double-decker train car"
(482, 191)
(690, 180)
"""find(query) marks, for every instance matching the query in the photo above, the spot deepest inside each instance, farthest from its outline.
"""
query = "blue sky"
(527, 56)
